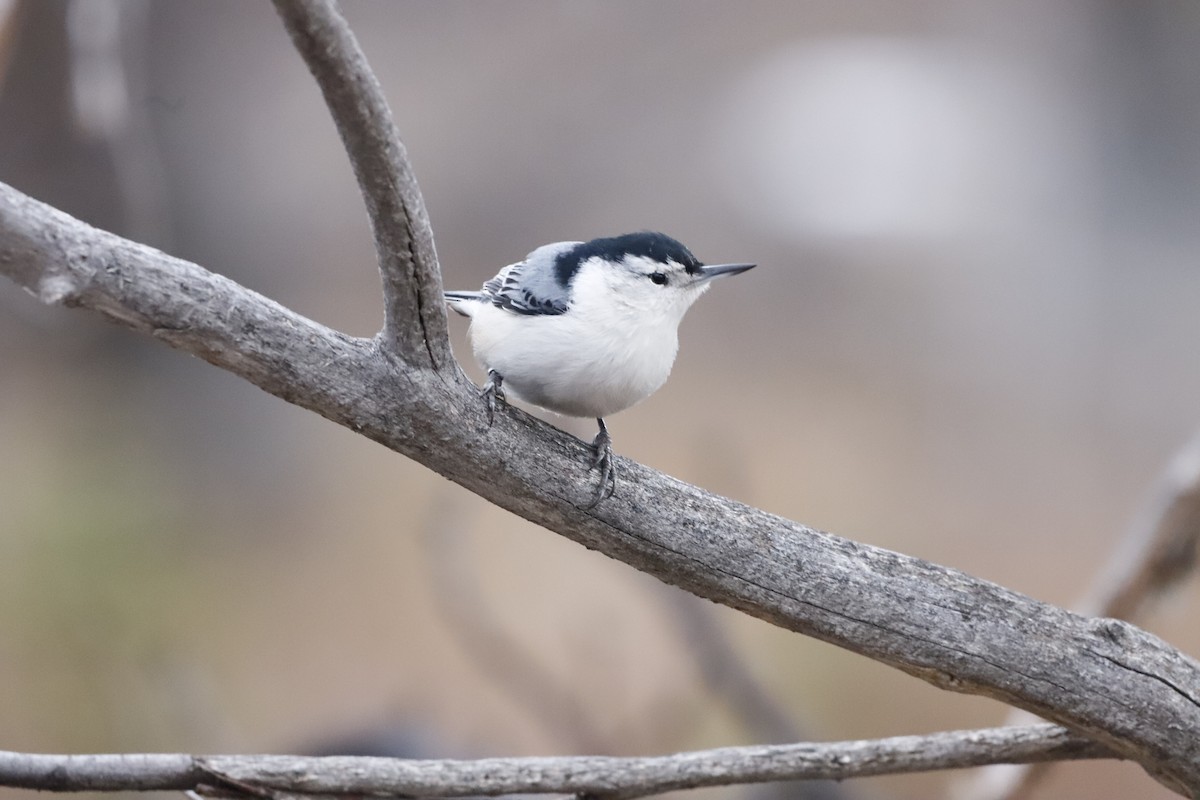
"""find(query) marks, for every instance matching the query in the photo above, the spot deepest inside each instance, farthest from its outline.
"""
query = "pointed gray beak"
(708, 273)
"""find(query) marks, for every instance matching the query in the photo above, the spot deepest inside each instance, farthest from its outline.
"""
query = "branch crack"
(1179, 690)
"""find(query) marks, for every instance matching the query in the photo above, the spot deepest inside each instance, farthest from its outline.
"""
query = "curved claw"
(603, 460)
(492, 391)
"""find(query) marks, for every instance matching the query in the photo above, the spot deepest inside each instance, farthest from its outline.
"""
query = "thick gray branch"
(414, 313)
(592, 775)
(1107, 679)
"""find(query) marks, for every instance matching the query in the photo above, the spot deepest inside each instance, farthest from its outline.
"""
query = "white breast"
(589, 362)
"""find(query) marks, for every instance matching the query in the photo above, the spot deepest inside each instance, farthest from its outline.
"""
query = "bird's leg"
(603, 461)
(492, 391)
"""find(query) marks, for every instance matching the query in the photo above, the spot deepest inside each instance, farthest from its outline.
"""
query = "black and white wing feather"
(533, 287)
(517, 290)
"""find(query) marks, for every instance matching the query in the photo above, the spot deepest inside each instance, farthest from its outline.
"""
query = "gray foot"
(603, 461)
(492, 391)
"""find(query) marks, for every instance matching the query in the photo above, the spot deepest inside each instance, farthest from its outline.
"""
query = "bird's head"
(648, 274)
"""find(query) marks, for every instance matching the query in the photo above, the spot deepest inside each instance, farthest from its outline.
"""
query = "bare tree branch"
(1106, 679)
(609, 777)
(414, 313)
(1158, 552)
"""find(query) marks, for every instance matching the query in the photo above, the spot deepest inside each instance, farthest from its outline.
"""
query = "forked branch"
(414, 314)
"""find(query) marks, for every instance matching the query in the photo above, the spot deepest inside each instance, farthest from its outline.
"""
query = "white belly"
(571, 365)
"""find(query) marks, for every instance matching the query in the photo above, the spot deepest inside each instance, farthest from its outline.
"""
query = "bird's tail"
(462, 301)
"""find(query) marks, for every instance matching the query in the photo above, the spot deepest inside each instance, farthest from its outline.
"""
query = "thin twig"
(1158, 552)
(415, 326)
(601, 776)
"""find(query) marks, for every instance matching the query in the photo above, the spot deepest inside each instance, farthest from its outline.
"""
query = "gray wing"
(531, 286)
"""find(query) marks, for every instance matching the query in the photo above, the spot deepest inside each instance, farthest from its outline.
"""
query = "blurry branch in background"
(1109, 681)
(728, 678)
(726, 674)
(1160, 549)
(495, 653)
(587, 776)
(8, 25)
(1158, 552)
(107, 40)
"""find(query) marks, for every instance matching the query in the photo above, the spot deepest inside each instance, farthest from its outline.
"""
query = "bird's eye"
(659, 278)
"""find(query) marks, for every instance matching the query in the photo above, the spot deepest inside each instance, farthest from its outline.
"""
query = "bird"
(586, 329)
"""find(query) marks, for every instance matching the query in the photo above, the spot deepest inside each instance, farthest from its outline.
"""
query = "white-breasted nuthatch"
(586, 329)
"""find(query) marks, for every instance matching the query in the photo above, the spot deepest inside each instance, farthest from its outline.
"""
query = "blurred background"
(972, 337)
